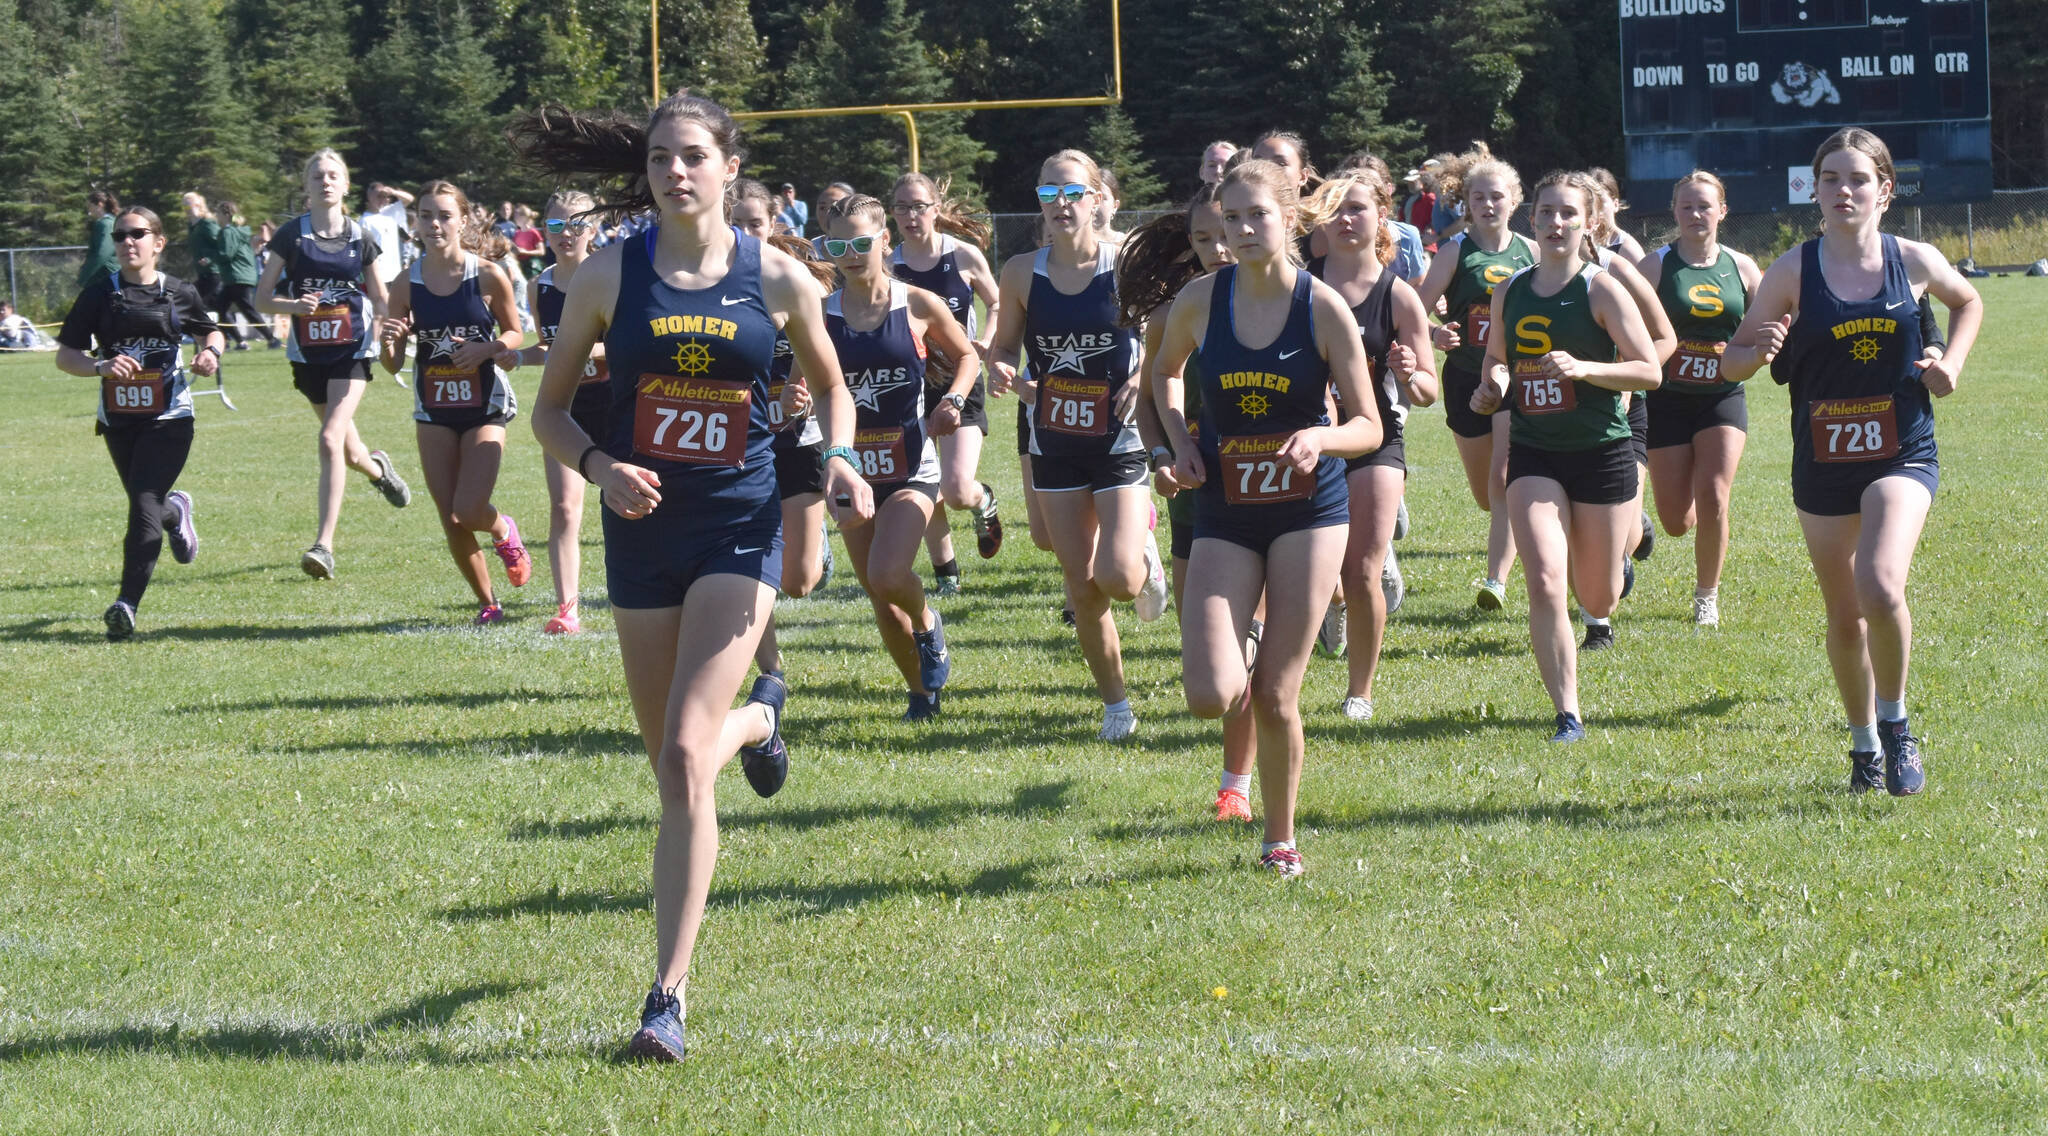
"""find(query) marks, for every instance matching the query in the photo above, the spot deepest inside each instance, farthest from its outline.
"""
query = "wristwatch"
(1162, 457)
(954, 399)
(839, 452)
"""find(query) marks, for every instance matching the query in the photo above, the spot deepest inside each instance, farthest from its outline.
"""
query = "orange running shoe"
(1232, 805)
(512, 550)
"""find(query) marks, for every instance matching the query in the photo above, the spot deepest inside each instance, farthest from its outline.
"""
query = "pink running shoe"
(489, 614)
(512, 550)
(564, 622)
(1232, 805)
(1282, 862)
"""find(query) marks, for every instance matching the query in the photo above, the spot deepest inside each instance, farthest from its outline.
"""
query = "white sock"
(1863, 739)
(1706, 593)
(1591, 621)
(1239, 783)
(1121, 706)
(1891, 711)
(1270, 845)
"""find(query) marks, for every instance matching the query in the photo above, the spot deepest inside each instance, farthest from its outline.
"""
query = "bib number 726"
(695, 421)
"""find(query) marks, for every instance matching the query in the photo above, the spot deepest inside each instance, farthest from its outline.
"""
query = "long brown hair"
(806, 255)
(1157, 260)
(949, 215)
(473, 231)
(612, 147)
(1870, 146)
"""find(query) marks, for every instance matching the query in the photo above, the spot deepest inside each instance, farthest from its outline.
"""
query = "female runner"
(1699, 419)
(1467, 269)
(324, 260)
(134, 318)
(688, 312)
(1157, 261)
(459, 309)
(1058, 310)
(1351, 209)
(940, 254)
(1572, 341)
(879, 326)
(570, 228)
(1271, 506)
(1833, 319)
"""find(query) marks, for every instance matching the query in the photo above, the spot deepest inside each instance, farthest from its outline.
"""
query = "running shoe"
(512, 550)
(923, 708)
(1706, 611)
(1649, 543)
(1569, 729)
(317, 562)
(1067, 614)
(1492, 594)
(946, 584)
(1628, 578)
(1252, 639)
(825, 535)
(1153, 597)
(1401, 520)
(1599, 637)
(1903, 775)
(1232, 805)
(1282, 862)
(1357, 709)
(661, 1029)
(1334, 636)
(1866, 772)
(564, 621)
(1392, 583)
(242, 345)
(988, 527)
(1118, 724)
(392, 486)
(490, 614)
(767, 765)
(934, 664)
(120, 621)
(180, 535)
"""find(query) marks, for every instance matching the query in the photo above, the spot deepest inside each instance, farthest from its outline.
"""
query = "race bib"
(1255, 474)
(1538, 393)
(445, 386)
(696, 421)
(1854, 429)
(1073, 405)
(596, 371)
(329, 325)
(1697, 362)
(1479, 324)
(778, 421)
(880, 454)
(141, 393)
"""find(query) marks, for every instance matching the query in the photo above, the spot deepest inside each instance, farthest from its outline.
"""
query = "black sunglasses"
(133, 234)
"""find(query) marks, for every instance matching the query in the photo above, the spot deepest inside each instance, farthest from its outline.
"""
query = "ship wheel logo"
(1254, 403)
(1864, 350)
(693, 359)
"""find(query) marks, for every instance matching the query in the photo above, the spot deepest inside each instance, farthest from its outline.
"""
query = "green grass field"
(320, 857)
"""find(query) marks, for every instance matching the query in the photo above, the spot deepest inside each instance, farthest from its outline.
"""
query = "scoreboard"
(1748, 89)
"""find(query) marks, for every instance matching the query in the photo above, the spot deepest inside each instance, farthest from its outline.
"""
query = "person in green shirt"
(100, 207)
(237, 261)
(202, 237)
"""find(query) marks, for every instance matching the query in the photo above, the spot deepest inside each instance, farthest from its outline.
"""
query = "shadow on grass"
(50, 630)
(812, 899)
(464, 700)
(347, 1041)
(1026, 802)
(1466, 723)
(546, 743)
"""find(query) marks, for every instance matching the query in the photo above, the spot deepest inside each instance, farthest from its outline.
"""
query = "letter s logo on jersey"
(1495, 275)
(1706, 300)
(1530, 336)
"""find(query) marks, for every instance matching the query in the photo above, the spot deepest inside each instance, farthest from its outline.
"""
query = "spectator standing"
(202, 237)
(384, 217)
(527, 244)
(1419, 206)
(505, 226)
(238, 278)
(100, 207)
(794, 215)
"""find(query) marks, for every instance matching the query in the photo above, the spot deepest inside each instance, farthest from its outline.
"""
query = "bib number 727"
(1255, 474)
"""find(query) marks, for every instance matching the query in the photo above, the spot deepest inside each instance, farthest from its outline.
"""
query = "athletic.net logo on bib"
(695, 421)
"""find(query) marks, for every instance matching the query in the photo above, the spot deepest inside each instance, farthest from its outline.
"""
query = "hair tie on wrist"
(584, 457)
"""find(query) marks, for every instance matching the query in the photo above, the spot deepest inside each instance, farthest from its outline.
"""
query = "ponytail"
(1157, 260)
(807, 256)
(949, 215)
(611, 147)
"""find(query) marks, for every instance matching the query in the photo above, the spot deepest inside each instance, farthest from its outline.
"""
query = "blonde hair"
(858, 205)
(324, 154)
(1589, 187)
(1327, 200)
(574, 202)
(1274, 179)
(1080, 159)
(1461, 171)
(1698, 177)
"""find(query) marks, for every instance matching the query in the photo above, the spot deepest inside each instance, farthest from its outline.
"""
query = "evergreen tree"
(1113, 141)
(295, 60)
(710, 47)
(182, 102)
(1356, 114)
(896, 67)
(572, 66)
(36, 203)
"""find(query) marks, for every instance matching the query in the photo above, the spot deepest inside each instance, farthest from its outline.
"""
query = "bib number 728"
(1854, 429)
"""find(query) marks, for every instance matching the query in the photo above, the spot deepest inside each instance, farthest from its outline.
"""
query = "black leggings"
(149, 458)
(234, 298)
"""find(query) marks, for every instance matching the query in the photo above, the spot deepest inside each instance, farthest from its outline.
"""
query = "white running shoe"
(1118, 724)
(1335, 634)
(1153, 597)
(1358, 709)
(1706, 611)
(1401, 520)
(1392, 583)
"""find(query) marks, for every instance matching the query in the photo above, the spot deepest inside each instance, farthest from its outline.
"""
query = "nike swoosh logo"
(1900, 304)
(744, 551)
(1290, 354)
(729, 301)
(1566, 303)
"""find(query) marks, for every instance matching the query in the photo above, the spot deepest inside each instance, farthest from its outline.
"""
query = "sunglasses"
(1052, 194)
(133, 234)
(859, 245)
(557, 226)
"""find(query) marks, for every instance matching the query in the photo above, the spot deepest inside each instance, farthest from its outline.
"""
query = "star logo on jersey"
(1070, 351)
(868, 387)
(1864, 350)
(443, 344)
(1254, 403)
(692, 358)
